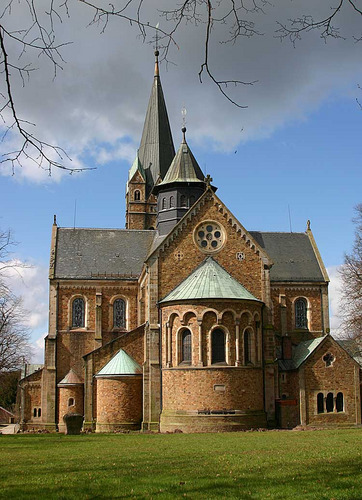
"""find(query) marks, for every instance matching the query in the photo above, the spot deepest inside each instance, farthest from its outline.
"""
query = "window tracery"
(119, 313)
(78, 318)
(301, 320)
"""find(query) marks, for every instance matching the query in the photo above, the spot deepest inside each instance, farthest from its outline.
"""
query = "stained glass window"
(119, 314)
(301, 313)
(78, 313)
(217, 346)
(186, 346)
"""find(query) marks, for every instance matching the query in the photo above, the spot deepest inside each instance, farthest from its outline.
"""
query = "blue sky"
(296, 148)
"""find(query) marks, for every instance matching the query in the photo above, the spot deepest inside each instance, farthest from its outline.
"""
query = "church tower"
(153, 159)
(183, 184)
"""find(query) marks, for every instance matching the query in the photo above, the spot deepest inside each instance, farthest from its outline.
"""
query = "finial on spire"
(157, 71)
(157, 52)
(55, 220)
(308, 225)
(208, 180)
(183, 130)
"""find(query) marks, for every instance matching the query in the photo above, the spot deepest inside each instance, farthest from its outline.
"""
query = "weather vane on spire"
(183, 113)
(156, 37)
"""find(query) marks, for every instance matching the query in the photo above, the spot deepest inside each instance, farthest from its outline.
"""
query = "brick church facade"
(185, 319)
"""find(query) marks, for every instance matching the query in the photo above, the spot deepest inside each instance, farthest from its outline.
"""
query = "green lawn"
(262, 465)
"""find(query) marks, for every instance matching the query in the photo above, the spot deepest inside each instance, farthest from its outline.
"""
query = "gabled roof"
(293, 256)
(120, 364)
(353, 347)
(184, 167)
(71, 378)
(156, 150)
(209, 281)
(136, 166)
(301, 353)
(93, 253)
(209, 194)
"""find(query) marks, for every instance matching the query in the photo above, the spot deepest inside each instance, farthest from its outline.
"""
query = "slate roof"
(293, 256)
(105, 253)
(156, 150)
(120, 364)
(71, 378)
(184, 167)
(300, 354)
(209, 281)
(353, 347)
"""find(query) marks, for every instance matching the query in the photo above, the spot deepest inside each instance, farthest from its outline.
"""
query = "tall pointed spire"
(156, 150)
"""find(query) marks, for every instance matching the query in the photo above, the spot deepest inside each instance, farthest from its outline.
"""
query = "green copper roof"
(184, 167)
(135, 166)
(209, 281)
(304, 350)
(120, 364)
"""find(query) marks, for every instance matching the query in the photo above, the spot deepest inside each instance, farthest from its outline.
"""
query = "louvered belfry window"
(217, 346)
(301, 320)
(78, 313)
(186, 346)
(119, 314)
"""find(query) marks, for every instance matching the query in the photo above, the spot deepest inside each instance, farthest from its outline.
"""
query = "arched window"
(78, 313)
(183, 201)
(329, 402)
(39, 412)
(172, 201)
(119, 313)
(301, 320)
(192, 200)
(247, 348)
(137, 195)
(163, 203)
(71, 402)
(320, 402)
(34, 412)
(186, 347)
(339, 402)
(217, 346)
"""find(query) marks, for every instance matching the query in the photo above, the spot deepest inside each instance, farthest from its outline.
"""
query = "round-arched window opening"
(209, 236)
(186, 347)
(71, 402)
(218, 346)
(137, 195)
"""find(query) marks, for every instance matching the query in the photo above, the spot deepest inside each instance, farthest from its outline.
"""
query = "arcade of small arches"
(211, 338)
(183, 201)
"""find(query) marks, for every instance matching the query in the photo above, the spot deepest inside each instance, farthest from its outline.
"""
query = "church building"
(186, 320)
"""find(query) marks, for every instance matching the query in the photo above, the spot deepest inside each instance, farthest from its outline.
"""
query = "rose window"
(209, 236)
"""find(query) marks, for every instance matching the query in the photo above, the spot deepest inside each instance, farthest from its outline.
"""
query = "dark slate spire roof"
(184, 167)
(156, 150)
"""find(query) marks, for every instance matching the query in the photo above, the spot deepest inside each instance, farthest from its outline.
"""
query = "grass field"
(256, 465)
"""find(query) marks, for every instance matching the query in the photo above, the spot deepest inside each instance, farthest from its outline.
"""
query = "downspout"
(160, 353)
(322, 308)
(55, 361)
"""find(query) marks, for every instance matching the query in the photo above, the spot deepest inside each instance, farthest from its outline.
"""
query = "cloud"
(30, 283)
(98, 102)
(335, 287)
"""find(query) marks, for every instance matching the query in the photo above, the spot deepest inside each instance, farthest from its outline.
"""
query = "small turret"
(183, 184)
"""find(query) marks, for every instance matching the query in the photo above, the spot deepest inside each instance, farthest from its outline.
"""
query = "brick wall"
(341, 376)
(173, 270)
(65, 394)
(119, 403)
(194, 388)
